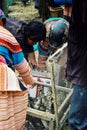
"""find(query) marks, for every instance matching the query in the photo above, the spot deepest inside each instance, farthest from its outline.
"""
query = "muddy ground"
(19, 11)
(28, 13)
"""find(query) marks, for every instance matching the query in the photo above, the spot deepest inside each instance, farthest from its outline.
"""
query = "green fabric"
(53, 19)
(2, 15)
(9, 2)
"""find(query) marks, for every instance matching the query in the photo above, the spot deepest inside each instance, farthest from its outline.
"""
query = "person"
(77, 65)
(27, 34)
(56, 35)
(44, 7)
(13, 94)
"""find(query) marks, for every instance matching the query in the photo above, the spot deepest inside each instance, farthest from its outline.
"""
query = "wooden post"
(51, 125)
(54, 92)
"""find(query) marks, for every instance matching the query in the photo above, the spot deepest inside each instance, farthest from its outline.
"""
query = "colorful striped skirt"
(13, 107)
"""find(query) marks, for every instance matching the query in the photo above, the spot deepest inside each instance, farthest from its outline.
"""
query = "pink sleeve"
(25, 72)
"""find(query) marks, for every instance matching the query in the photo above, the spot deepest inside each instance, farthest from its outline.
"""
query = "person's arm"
(25, 72)
(32, 60)
(23, 68)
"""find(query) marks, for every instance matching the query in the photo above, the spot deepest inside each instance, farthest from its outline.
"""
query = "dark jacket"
(16, 27)
(77, 44)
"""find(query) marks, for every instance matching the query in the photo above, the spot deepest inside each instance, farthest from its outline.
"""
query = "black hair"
(35, 30)
(4, 21)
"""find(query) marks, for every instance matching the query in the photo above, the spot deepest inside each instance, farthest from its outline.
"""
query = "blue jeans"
(78, 108)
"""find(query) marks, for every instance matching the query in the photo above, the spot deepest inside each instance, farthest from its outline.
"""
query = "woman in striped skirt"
(13, 97)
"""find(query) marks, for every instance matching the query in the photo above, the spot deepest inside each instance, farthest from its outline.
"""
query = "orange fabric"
(13, 48)
(8, 40)
(13, 108)
(3, 77)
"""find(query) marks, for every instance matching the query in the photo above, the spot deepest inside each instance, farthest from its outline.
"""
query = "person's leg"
(67, 12)
(78, 109)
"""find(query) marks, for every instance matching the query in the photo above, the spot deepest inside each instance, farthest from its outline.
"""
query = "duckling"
(37, 103)
(49, 101)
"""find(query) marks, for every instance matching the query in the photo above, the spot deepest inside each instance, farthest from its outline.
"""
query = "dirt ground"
(19, 11)
(28, 13)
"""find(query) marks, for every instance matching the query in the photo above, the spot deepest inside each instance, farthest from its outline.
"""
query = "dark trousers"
(78, 109)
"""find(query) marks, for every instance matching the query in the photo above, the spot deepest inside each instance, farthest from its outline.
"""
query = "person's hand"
(33, 66)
